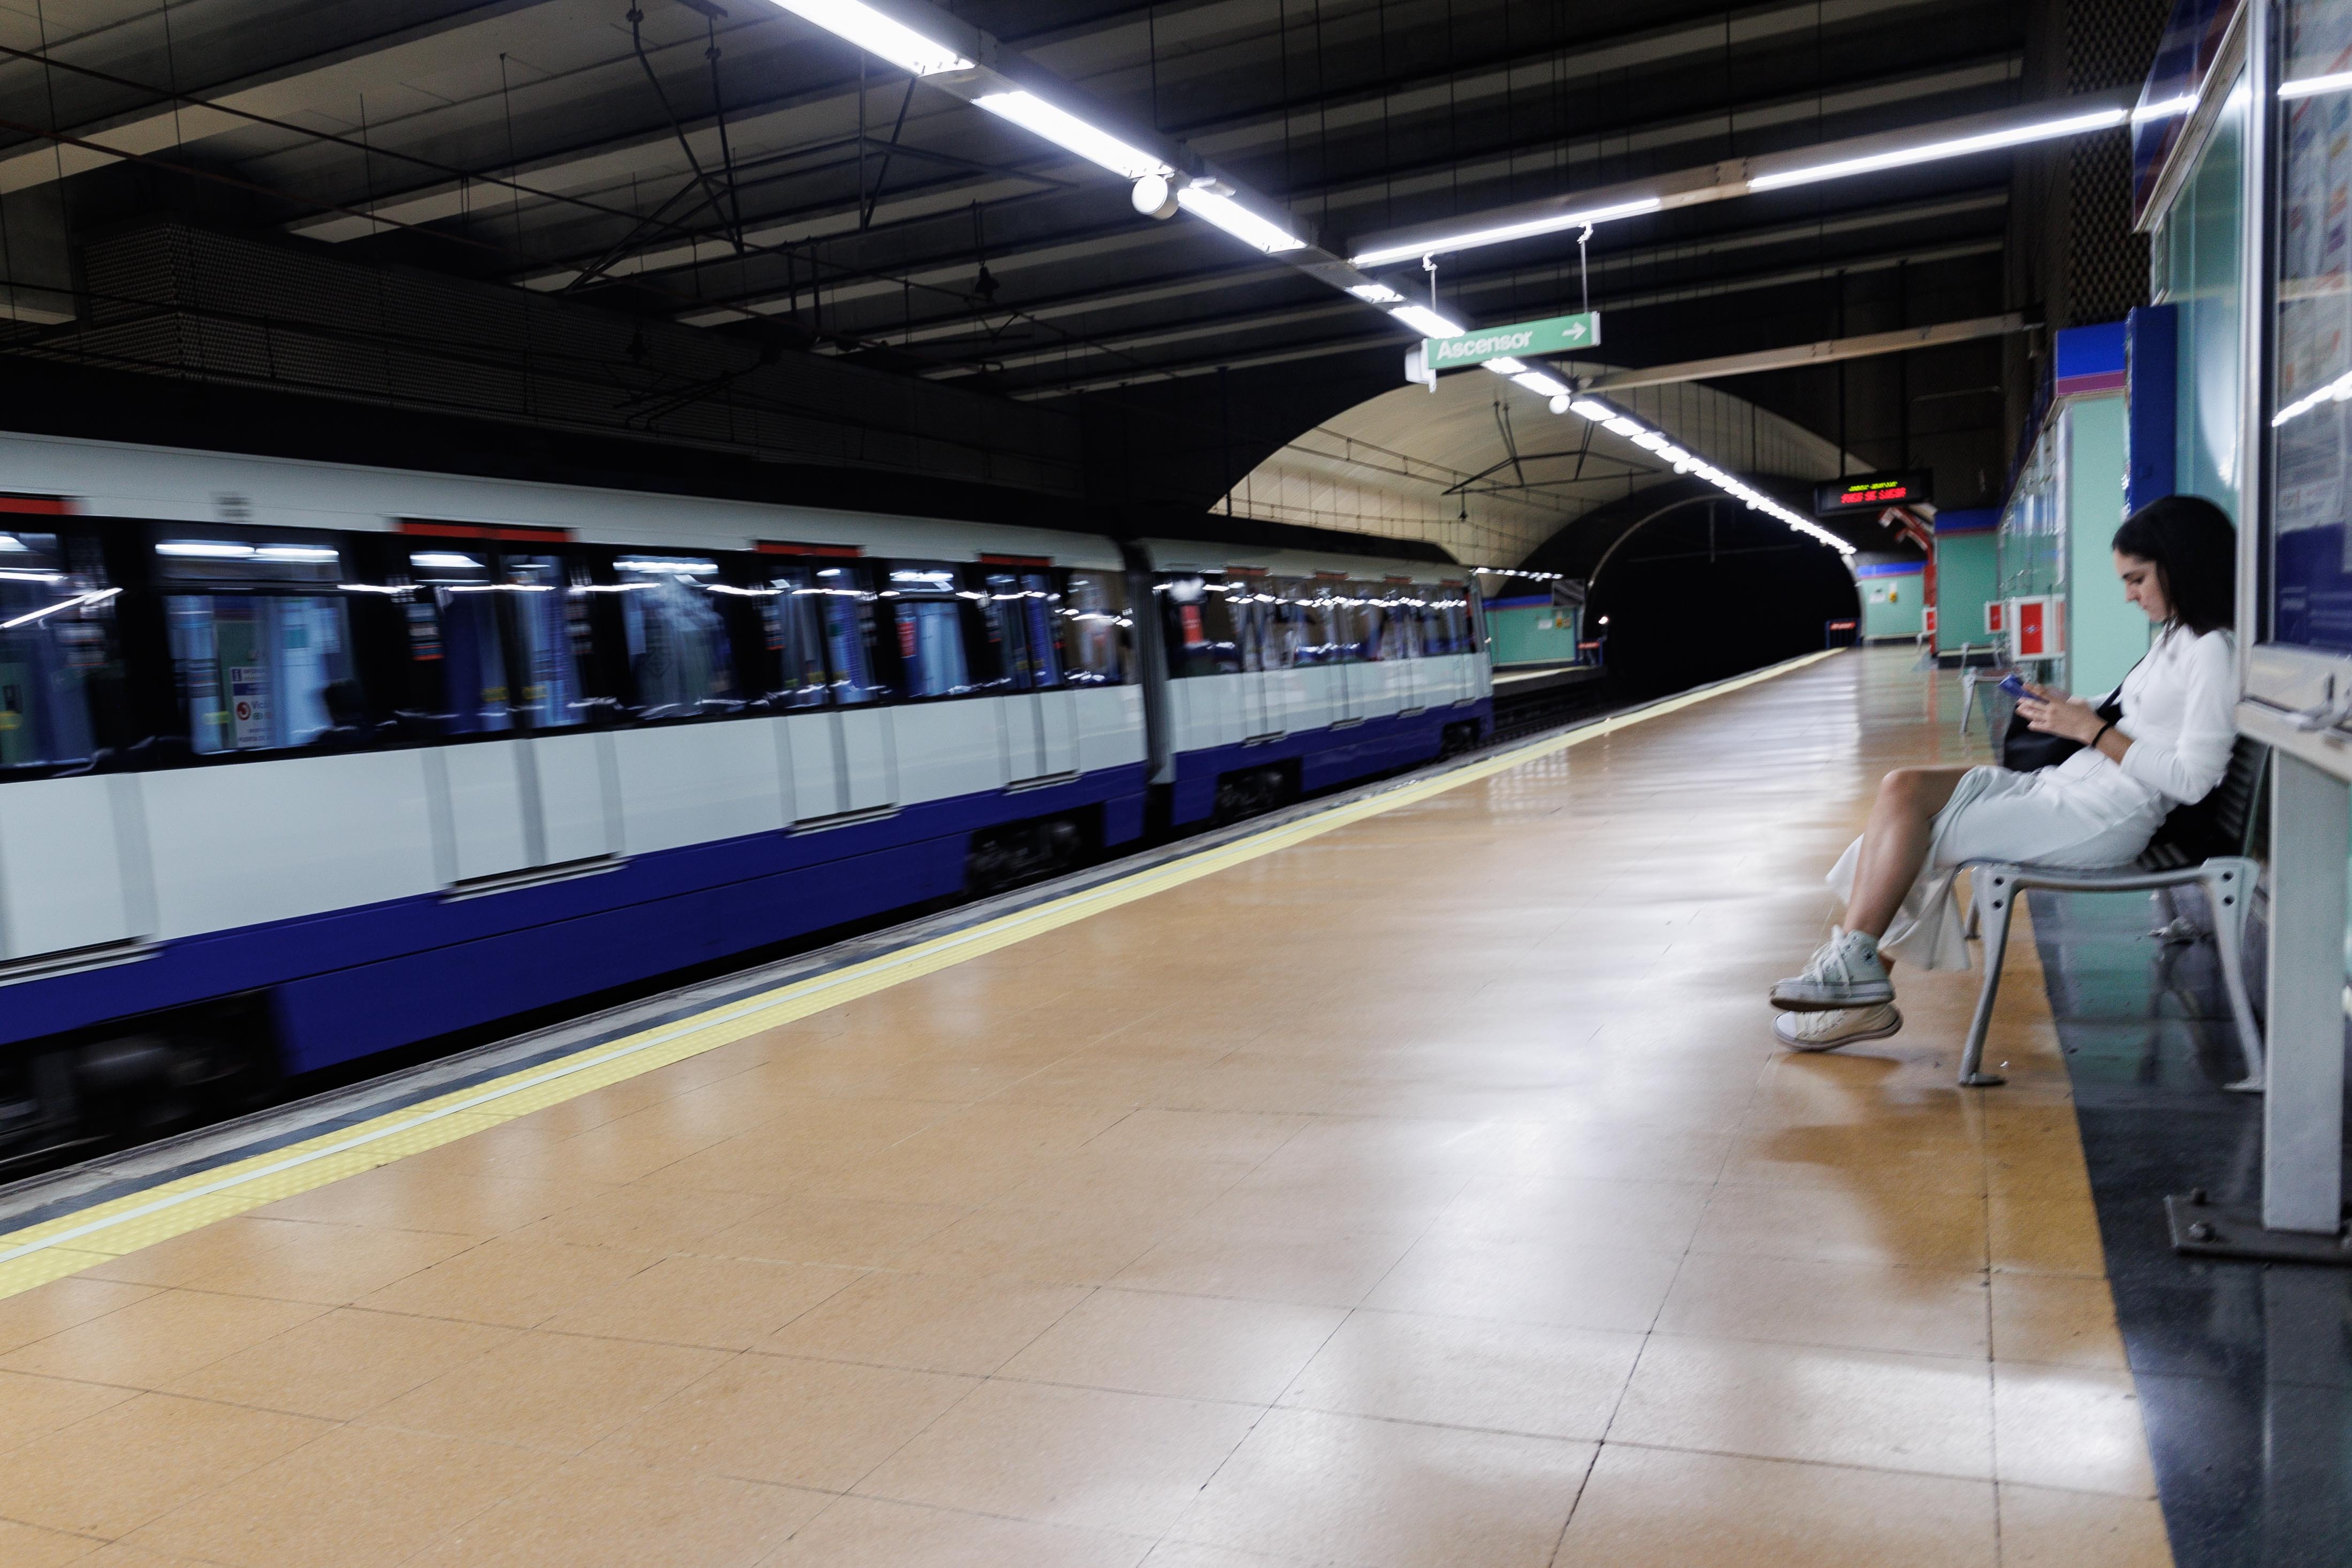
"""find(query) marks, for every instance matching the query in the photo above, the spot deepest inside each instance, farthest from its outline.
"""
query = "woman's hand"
(2053, 712)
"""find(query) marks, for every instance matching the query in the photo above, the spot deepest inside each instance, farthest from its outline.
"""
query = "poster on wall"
(2312, 470)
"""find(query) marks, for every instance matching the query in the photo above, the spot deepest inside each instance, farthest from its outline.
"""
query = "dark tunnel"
(1709, 589)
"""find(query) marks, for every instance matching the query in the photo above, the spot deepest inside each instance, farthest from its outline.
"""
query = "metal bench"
(2229, 884)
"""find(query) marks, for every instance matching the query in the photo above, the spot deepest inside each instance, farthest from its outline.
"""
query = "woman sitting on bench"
(2097, 808)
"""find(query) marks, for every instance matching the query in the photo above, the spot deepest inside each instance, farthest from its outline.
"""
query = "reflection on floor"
(1430, 1192)
(2244, 1370)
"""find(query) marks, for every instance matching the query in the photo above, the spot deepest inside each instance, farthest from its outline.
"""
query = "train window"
(1094, 627)
(551, 632)
(263, 671)
(793, 617)
(1444, 621)
(56, 640)
(1365, 621)
(680, 662)
(926, 613)
(454, 633)
(852, 637)
(1199, 621)
(1310, 613)
(262, 649)
(1021, 609)
(1402, 607)
(1268, 625)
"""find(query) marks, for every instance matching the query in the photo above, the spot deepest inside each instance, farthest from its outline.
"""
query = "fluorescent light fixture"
(297, 552)
(1426, 322)
(673, 568)
(1505, 366)
(1542, 385)
(1505, 233)
(876, 33)
(1957, 146)
(1687, 463)
(1370, 293)
(205, 550)
(1214, 207)
(1066, 131)
(10, 543)
(2311, 87)
(442, 560)
(32, 577)
(2166, 108)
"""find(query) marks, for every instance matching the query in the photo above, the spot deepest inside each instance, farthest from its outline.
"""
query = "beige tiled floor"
(1428, 1193)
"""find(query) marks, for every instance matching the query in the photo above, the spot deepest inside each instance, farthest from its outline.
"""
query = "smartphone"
(2014, 685)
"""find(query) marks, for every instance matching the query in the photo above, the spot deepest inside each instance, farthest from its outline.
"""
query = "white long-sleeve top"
(2180, 706)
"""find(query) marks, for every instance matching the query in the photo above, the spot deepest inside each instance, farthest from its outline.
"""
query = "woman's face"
(2143, 585)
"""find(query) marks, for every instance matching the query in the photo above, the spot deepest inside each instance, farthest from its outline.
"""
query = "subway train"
(301, 763)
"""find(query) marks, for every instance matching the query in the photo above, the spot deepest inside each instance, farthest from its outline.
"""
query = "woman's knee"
(1904, 786)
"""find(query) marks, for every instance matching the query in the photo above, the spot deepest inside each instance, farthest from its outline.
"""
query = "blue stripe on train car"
(1325, 756)
(352, 982)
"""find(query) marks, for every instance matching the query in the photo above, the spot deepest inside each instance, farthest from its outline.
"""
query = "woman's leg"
(1895, 844)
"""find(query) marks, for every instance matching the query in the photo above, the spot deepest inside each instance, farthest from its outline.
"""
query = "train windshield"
(263, 651)
(680, 662)
(55, 638)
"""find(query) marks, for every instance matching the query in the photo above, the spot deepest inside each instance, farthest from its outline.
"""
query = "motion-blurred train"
(303, 763)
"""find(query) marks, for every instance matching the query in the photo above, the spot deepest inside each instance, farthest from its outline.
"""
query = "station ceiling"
(724, 167)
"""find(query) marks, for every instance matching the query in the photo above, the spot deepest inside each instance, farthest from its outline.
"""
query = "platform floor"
(1430, 1192)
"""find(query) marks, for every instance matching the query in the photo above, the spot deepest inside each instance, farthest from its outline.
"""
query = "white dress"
(2089, 811)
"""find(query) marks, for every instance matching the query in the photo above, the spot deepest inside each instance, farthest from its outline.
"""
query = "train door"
(1255, 630)
(836, 753)
(1040, 713)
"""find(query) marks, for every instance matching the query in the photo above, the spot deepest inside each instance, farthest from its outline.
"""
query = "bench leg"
(2229, 887)
(1995, 897)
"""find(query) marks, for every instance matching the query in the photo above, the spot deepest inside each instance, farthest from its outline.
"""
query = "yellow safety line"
(39, 1253)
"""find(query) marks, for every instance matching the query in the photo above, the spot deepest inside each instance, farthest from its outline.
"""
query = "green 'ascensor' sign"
(1554, 335)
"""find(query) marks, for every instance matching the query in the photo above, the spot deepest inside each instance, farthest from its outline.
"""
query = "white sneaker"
(1844, 972)
(1830, 1028)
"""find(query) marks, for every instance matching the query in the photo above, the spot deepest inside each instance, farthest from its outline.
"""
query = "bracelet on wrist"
(2102, 735)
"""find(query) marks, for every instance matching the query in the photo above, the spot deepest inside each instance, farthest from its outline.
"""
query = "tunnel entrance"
(1707, 590)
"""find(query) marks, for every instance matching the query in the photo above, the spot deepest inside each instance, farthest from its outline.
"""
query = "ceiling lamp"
(878, 35)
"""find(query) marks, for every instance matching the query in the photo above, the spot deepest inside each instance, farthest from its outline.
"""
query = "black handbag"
(2024, 749)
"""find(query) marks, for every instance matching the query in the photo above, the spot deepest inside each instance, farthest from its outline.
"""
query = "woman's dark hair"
(2195, 548)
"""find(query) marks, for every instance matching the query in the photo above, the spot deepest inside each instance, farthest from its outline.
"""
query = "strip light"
(1504, 233)
(84, 600)
(1426, 322)
(876, 33)
(2311, 87)
(1066, 131)
(1959, 147)
(1616, 420)
(2339, 391)
(1211, 203)
(2166, 108)
(1376, 294)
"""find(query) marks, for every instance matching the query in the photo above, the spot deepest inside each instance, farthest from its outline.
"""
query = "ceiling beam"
(1826, 352)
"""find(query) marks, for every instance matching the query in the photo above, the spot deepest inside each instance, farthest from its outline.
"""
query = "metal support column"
(2302, 1114)
(2302, 1213)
